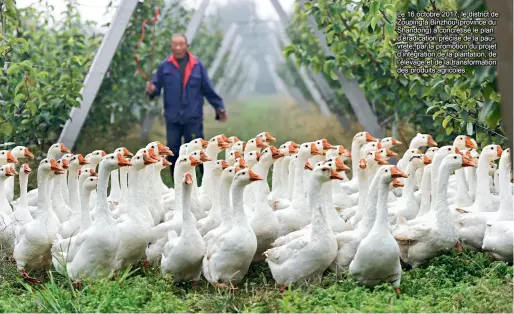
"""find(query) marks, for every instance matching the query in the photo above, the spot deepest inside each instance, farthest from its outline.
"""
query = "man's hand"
(221, 115)
(150, 88)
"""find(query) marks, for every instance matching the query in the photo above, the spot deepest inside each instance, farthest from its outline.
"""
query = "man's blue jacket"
(197, 85)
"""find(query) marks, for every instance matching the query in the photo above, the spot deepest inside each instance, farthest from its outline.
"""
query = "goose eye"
(386, 171)
(492, 148)
(449, 149)
(112, 157)
(455, 157)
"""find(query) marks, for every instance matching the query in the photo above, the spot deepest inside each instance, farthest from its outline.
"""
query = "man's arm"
(157, 81)
(208, 91)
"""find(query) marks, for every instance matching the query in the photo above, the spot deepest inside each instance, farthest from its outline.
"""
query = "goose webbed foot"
(26, 276)
(458, 245)
(397, 290)
(77, 284)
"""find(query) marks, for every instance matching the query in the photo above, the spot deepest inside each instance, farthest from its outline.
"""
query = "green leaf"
(5, 128)
(374, 21)
(32, 107)
(288, 50)
(446, 120)
(435, 115)
(322, 4)
(13, 69)
(436, 84)
(333, 75)
(449, 130)
(432, 107)
(469, 128)
(19, 98)
(421, 4)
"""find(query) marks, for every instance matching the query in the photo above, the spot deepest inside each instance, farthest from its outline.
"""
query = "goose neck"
(73, 191)
(85, 221)
(483, 199)
(102, 212)
(441, 198)
(425, 190)
(187, 216)
(355, 157)
(410, 182)
(506, 198)
(43, 200)
(369, 215)
(239, 216)
(24, 180)
(224, 196)
(276, 174)
(216, 200)
(319, 222)
(381, 222)
(298, 192)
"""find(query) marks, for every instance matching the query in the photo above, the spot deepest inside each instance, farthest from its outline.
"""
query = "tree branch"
(385, 16)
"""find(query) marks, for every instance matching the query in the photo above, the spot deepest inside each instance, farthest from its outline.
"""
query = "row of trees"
(362, 37)
(44, 60)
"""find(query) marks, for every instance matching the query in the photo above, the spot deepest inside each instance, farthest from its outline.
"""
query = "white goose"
(33, 244)
(20, 153)
(309, 256)
(359, 139)
(7, 222)
(96, 256)
(278, 196)
(21, 214)
(115, 191)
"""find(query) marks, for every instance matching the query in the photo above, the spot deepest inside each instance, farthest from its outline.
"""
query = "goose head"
(49, 165)
(7, 157)
(343, 152)
(308, 165)
(411, 151)
(431, 152)
(492, 168)
(219, 166)
(307, 150)
(114, 161)
(63, 163)
(183, 149)
(140, 161)
(90, 183)
(325, 173)
(7, 171)
(186, 163)
(217, 143)
(245, 176)
(160, 148)
(362, 138)
(197, 144)
(419, 160)
(444, 151)
(386, 174)
(240, 163)
(323, 145)
(464, 142)
(200, 155)
(25, 168)
(397, 184)
(227, 175)
(239, 146)
(375, 158)
(255, 144)
(390, 142)
(232, 156)
(95, 157)
(266, 137)
(233, 139)
(491, 152)
(57, 149)
(269, 155)
(22, 152)
(370, 147)
(78, 161)
(251, 158)
(162, 163)
(123, 151)
(505, 160)
(421, 140)
(289, 148)
(387, 153)
(86, 173)
(457, 161)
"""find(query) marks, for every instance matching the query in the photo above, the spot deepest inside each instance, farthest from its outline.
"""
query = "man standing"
(185, 82)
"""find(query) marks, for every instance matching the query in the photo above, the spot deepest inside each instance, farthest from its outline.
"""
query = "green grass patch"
(451, 283)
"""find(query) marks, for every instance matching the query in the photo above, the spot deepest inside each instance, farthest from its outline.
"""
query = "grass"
(452, 283)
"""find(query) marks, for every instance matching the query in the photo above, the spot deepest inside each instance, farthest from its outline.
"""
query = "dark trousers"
(174, 133)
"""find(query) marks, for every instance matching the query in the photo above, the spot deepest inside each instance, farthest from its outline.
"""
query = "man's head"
(179, 45)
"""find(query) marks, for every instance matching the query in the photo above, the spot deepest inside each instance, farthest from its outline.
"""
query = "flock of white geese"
(313, 218)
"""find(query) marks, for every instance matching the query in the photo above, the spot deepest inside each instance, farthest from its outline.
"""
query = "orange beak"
(258, 156)
(165, 162)
(326, 144)
(260, 143)
(499, 151)
(54, 166)
(269, 138)
(204, 143)
(242, 163)
(164, 150)
(390, 153)
(293, 147)
(275, 153)
(430, 141)
(152, 154)
(147, 160)
(308, 166)
(222, 144)
(340, 166)
(11, 159)
(457, 151)
(122, 162)
(469, 143)
(233, 139)
(426, 160)
(224, 164)
(254, 176)
(340, 150)
(362, 163)
(397, 173)
(28, 154)
(92, 173)
(335, 176)
(379, 159)
(26, 169)
(314, 150)
(379, 145)
(126, 152)
(204, 157)
(397, 183)
(370, 138)
(64, 149)
(64, 163)
(395, 142)
(225, 139)
(103, 153)
(468, 162)
(8, 172)
(194, 162)
(237, 155)
(82, 160)
(244, 146)
(188, 178)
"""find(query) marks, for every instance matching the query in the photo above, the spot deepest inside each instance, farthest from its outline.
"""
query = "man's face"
(179, 46)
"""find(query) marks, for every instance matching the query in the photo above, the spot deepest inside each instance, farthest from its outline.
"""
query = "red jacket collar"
(192, 59)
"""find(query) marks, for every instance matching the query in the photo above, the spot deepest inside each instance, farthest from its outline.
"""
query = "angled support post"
(252, 74)
(241, 79)
(236, 78)
(351, 88)
(232, 56)
(231, 73)
(97, 71)
(295, 92)
(196, 21)
(315, 93)
(225, 44)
